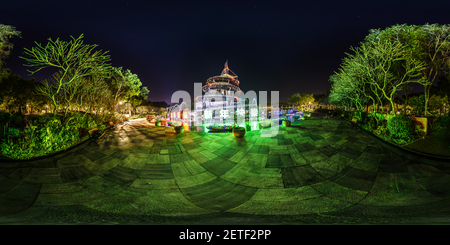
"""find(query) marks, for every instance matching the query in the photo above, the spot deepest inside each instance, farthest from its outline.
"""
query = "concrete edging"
(403, 150)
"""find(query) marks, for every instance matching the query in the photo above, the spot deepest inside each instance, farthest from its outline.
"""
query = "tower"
(218, 103)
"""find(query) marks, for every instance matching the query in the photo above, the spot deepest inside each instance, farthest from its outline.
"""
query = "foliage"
(442, 122)
(301, 99)
(16, 118)
(381, 127)
(74, 60)
(6, 33)
(4, 115)
(369, 123)
(417, 103)
(402, 129)
(50, 134)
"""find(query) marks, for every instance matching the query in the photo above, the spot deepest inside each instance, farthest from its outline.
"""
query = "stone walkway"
(316, 171)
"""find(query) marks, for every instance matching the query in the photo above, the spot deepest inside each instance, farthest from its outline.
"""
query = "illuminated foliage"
(6, 33)
(429, 43)
(74, 59)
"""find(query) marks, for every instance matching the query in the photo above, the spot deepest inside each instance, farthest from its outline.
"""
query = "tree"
(6, 33)
(300, 99)
(429, 43)
(74, 59)
(376, 64)
(123, 84)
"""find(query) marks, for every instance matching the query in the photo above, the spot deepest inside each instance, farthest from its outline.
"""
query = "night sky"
(285, 46)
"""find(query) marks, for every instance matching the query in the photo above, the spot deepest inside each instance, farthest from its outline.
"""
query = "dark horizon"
(286, 46)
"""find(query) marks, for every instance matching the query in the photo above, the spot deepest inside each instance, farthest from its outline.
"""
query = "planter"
(286, 123)
(239, 132)
(264, 125)
(424, 122)
(158, 124)
(179, 129)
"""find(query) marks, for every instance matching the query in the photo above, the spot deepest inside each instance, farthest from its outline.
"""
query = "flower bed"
(220, 129)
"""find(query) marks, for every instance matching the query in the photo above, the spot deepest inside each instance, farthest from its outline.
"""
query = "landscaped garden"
(85, 94)
(372, 85)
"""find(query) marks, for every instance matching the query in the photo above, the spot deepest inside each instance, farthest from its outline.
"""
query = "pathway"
(317, 171)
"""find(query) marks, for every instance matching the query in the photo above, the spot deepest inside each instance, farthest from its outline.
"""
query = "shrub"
(16, 118)
(443, 121)
(50, 134)
(4, 115)
(369, 123)
(401, 129)
(338, 112)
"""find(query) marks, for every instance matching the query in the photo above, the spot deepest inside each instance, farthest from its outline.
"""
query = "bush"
(443, 121)
(50, 134)
(369, 122)
(401, 129)
(4, 115)
(337, 112)
(16, 118)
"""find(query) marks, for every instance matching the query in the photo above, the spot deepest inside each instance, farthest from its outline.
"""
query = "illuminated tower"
(219, 92)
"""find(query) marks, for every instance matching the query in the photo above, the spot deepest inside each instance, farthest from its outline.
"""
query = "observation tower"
(219, 104)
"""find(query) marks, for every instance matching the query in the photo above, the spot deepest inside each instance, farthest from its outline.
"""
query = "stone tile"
(152, 158)
(300, 176)
(193, 167)
(180, 170)
(273, 161)
(338, 162)
(435, 180)
(218, 166)
(68, 175)
(350, 153)
(286, 161)
(54, 188)
(299, 160)
(336, 191)
(153, 184)
(164, 159)
(199, 158)
(7, 185)
(237, 157)
(442, 190)
(313, 156)
(194, 180)
(225, 152)
(209, 155)
(316, 137)
(94, 156)
(366, 163)
(156, 171)
(354, 183)
(218, 194)
(393, 168)
(328, 150)
(174, 158)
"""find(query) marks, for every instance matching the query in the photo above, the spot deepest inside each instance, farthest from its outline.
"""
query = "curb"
(402, 150)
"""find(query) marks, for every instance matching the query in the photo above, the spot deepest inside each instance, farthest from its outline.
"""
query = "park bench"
(94, 135)
(353, 122)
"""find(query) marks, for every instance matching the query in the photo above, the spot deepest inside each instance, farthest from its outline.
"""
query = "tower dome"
(226, 81)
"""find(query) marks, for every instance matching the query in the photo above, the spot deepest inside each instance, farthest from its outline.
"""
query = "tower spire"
(226, 65)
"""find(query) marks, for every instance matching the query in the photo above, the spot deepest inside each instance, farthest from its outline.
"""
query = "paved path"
(317, 171)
